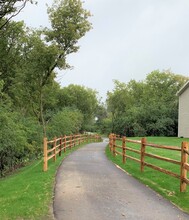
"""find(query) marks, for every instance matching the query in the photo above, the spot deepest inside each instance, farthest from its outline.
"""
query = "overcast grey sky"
(129, 39)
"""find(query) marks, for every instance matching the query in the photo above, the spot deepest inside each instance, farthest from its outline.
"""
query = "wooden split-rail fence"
(123, 148)
(58, 145)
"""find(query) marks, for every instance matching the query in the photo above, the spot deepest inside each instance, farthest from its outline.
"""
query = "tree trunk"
(41, 114)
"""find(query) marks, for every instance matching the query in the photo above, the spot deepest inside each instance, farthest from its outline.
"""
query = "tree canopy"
(149, 107)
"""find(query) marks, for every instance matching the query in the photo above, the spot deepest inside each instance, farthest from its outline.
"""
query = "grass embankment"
(167, 186)
(28, 194)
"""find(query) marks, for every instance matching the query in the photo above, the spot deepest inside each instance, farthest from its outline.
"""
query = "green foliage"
(149, 107)
(82, 98)
(65, 122)
(69, 23)
(11, 41)
(34, 136)
(102, 125)
(20, 140)
(105, 126)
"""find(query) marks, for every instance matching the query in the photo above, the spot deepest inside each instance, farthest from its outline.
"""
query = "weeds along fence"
(58, 145)
(115, 148)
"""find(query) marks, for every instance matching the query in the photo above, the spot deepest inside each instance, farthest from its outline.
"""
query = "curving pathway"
(90, 187)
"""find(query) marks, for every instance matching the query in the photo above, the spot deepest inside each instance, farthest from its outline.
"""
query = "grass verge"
(167, 186)
(28, 194)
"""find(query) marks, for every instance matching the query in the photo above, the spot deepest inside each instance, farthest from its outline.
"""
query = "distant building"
(183, 116)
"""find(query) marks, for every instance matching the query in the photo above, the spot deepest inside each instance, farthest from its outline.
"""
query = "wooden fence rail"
(58, 145)
(183, 163)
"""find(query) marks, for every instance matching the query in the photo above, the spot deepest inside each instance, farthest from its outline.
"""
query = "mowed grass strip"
(167, 186)
(28, 194)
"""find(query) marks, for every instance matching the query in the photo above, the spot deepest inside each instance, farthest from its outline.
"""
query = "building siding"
(183, 117)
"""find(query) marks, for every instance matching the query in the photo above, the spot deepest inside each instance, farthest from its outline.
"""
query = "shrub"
(20, 140)
(68, 121)
(12, 142)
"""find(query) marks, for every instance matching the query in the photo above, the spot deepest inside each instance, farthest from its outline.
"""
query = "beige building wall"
(183, 122)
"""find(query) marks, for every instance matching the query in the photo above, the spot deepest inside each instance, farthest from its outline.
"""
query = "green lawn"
(28, 194)
(164, 184)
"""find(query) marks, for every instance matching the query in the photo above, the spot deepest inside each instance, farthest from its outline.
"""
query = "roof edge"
(185, 86)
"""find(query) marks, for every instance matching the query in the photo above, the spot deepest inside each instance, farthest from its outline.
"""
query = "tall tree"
(69, 23)
(43, 51)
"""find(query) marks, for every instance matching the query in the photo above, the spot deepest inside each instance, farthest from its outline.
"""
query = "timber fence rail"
(58, 145)
(115, 148)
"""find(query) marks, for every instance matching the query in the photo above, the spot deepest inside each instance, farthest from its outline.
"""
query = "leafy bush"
(12, 141)
(106, 126)
(68, 121)
(19, 140)
(138, 130)
(34, 136)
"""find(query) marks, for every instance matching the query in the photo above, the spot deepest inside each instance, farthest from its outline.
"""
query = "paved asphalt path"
(90, 187)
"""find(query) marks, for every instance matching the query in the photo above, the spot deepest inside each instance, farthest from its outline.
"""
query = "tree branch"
(13, 15)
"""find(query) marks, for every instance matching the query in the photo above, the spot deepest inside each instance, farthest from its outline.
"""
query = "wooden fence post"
(70, 142)
(124, 149)
(74, 140)
(79, 139)
(60, 148)
(183, 171)
(143, 145)
(114, 145)
(45, 165)
(110, 142)
(54, 151)
(65, 143)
